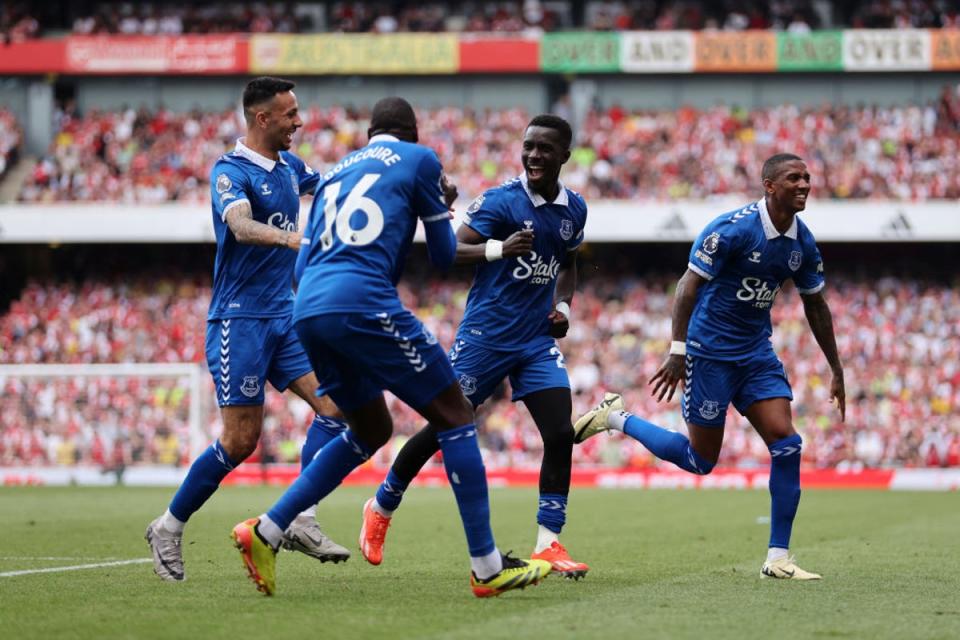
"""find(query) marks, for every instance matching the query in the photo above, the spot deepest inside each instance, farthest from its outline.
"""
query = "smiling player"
(523, 236)
(721, 347)
(255, 192)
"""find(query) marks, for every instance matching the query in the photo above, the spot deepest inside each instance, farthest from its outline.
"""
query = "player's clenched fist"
(518, 244)
(449, 191)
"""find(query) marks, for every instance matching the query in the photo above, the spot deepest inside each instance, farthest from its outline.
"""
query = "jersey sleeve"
(429, 202)
(308, 178)
(483, 216)
(809, 277)
(715, 244)
(229, 187)
(577, 238)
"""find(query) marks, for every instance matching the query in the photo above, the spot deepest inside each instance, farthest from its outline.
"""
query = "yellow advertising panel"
(355, 53)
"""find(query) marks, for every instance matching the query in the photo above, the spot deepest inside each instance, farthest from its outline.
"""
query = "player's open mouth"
(288, 137)
(534, 173)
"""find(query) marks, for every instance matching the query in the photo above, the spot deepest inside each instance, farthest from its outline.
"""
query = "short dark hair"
(392, 114)
(556, 123)
(772, 165)
(262, 89)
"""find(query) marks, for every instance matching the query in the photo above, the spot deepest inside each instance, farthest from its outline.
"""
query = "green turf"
(665, 564)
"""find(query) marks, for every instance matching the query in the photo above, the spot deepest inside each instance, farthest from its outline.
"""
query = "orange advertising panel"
(735, 52)
(945, 45)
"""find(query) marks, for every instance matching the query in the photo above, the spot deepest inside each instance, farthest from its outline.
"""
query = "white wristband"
(678, 348)
(563, 308)
(493, 250)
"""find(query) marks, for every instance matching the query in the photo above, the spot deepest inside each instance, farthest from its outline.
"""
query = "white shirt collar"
(768, 229)
(538, 200)
(383, 137)
(261, 161)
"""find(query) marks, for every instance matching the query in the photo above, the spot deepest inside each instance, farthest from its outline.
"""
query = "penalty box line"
(76, 567)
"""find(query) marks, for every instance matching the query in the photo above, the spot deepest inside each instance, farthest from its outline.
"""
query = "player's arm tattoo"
(249, 231)
(821, 324)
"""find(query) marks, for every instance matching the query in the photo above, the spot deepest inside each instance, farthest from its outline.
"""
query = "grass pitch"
(664, 564)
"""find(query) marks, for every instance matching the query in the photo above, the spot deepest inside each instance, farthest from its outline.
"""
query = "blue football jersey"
(510, 299)
(361, 227)
(251, 281)
(746, 261)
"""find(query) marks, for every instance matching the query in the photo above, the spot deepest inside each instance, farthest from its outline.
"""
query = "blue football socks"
(552, 512)
(201, 482)
(391, 491)
(464, 466)
(667, 445)
(323, 430)
(325, 472)
(784, 488)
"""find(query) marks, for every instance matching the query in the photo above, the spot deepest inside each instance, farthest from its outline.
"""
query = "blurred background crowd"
(22, 20)
(908, 153)
(899, 339)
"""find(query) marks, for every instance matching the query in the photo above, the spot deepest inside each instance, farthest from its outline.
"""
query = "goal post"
(182, 378)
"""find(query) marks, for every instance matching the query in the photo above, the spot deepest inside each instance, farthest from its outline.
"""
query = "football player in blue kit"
(523, 236)
(721, 348)
(361, 340)
(255, 192)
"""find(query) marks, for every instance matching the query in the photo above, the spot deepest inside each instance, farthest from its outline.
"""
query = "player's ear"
(565, 156)
(768, 185)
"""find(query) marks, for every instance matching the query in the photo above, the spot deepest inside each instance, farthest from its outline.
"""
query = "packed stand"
(899, 340)
(884, 153)
(19, 21)
(900, 14)
(149, 18)
(794, 16)
(11, 137)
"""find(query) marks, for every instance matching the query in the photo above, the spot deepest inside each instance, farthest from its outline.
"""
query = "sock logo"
(785, 451)
(552, 504)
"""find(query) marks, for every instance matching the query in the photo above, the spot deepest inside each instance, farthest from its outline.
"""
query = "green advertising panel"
(580, 52)
(815, 51)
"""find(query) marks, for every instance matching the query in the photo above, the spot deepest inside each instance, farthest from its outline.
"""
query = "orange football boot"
(372, 533)
(561, 561)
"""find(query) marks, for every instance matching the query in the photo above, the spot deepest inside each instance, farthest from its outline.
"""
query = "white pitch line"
(76, 567)
(7, 558)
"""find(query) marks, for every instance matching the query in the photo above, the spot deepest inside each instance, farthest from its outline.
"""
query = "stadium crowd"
(899, 339)
(905, 153)
(20, 21)
(11, 137)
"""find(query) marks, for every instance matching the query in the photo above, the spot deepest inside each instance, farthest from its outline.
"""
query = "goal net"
(134, 423)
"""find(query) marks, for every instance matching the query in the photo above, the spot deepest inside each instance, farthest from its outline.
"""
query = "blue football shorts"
(479, 369)
(359, 355)
(242, 353)
(711, 385)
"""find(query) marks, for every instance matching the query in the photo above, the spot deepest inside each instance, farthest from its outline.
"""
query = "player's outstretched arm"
(473, 247)
(670, 373)
(566, 286)
(248, 231)
(821, 324)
